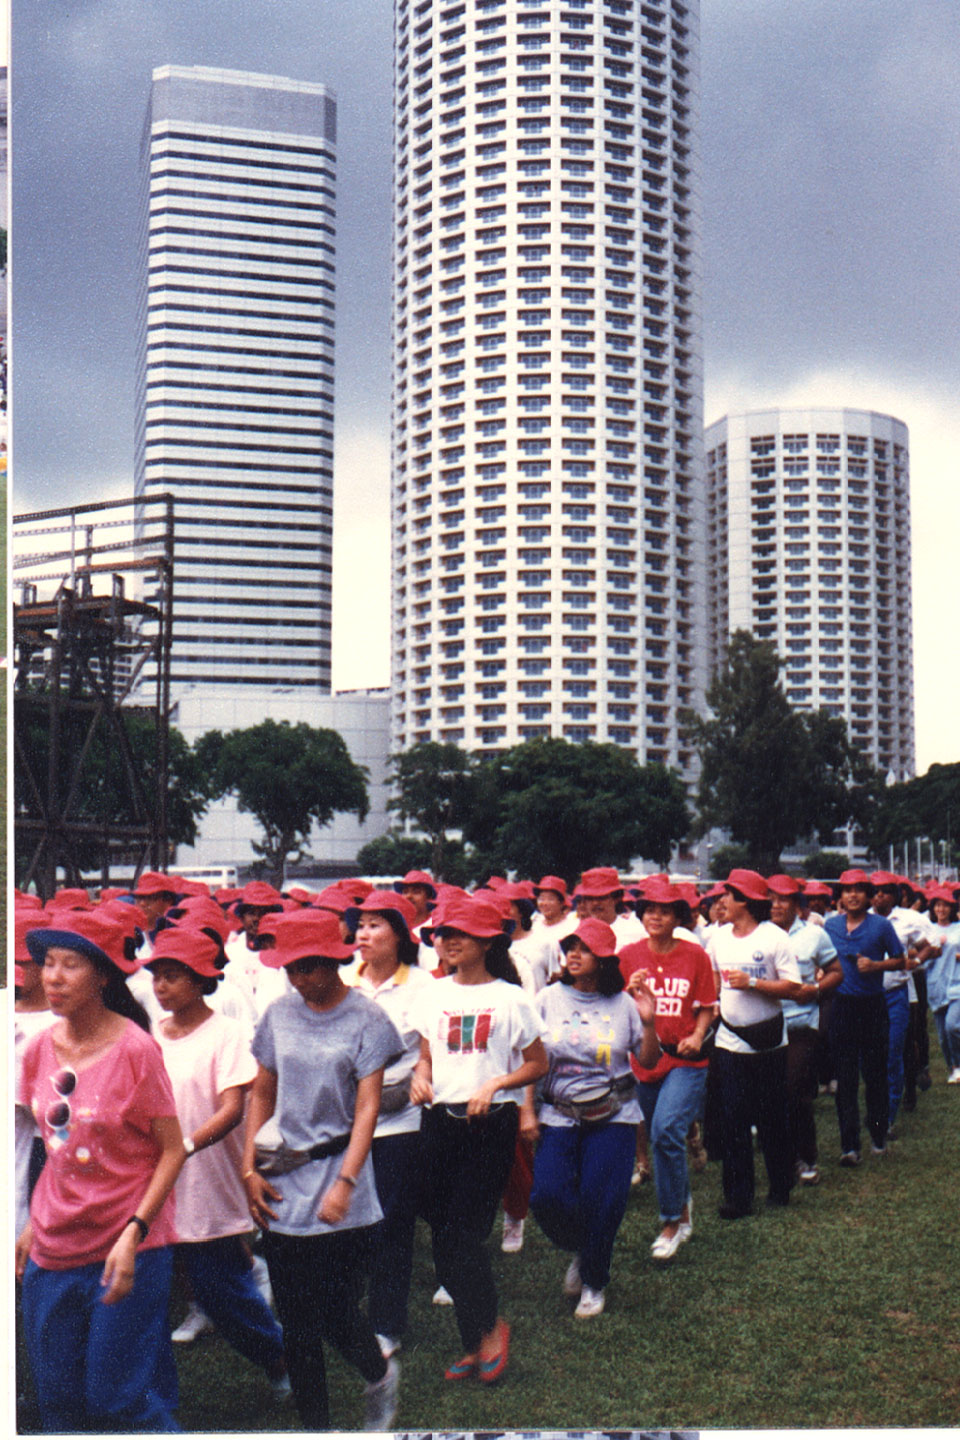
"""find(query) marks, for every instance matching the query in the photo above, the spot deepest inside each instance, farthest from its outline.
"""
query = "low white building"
(362, 717)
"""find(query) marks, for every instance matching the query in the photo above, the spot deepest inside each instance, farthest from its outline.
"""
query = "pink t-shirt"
(101, 1150)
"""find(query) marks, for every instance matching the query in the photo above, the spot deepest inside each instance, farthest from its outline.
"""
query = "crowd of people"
(264, 1091)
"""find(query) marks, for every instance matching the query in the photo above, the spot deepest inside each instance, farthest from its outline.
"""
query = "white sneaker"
(261, 1278)
(442, 1297)
(388, 1345)
(194, 1324)
(572, 1284)
(686, 1226)
(666, 1246)
(954, 1077)
(512, 1235)
(380, 1407)
(591, 1303)
(282, 1389)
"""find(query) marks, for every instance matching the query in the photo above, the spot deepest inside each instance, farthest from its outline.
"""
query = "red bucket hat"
(594, 884)
(189, 946)
(552, 882)
(90, 932)
(417, 877)
(301, 935)
(384, 901)
(850, 878)
(258, 895)
(785, 885)
(156, 882)
(69, 899)
(598, 937)
(749, 883)
(480, 919)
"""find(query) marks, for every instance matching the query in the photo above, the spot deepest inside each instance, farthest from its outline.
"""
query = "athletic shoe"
(878, 1151)
(512, 1235)
(954, 1077)
(461, 1369)
(194, 1324)
(388, 1345)
(666, 1246)
(809, 1174)
(850, 1159)
(732, 1212)
(380, 1403)
(686, 1226)
(261, 1278)
(641, 1173)
(572, 1284)
(832, 1087)
(281, 1389)
(442, 1297)
(591, 1304)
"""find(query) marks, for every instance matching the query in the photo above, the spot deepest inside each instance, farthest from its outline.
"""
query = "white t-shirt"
(475, 1033)
(26, 1024)
(540, 951)
(765, 953)
(213, 1058)
(398, 996)
(628, 929)
(913, 928)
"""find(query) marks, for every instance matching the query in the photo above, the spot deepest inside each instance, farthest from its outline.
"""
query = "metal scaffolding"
(91, 652)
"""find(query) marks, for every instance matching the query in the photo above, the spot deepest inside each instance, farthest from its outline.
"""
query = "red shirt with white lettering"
(683, 982)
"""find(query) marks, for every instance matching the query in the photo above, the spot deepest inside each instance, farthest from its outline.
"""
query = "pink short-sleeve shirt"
(101, 1150)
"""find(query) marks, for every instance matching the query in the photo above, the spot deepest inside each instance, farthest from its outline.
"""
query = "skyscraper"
(810, 548)
(234, 401)
(548, 490)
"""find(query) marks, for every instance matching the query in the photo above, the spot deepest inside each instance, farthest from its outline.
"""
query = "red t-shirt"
(101, 1150)
(683, 982)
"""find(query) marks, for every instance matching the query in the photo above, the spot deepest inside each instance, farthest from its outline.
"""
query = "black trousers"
(753, 1091)
(802, 1045)
(316, 1282)
(466, 1166)
(859, 1027)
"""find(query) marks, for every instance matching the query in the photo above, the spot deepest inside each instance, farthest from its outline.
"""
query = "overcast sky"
(831, 203)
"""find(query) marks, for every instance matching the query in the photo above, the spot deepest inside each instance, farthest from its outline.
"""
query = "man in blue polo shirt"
(867, 946)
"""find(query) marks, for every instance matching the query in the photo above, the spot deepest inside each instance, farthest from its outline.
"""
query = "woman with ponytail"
(96, 1255)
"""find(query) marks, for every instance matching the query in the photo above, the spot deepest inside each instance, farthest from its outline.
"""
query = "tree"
(290, 777)
(393, 854)
(550, 807)
(826, 864)
(770, 774)
(433, 785)
(103, 794)
(927, 808)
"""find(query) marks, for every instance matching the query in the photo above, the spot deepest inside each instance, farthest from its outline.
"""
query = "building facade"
(809, 547)
(548, 502)
(234, 398)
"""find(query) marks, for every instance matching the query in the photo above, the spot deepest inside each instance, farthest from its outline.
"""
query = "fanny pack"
(599, 1105)
(764, 1035)
(274, 1157)
(395, 1096)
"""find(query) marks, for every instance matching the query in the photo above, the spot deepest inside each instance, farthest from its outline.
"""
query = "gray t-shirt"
(589, 1039)
(319, 1057)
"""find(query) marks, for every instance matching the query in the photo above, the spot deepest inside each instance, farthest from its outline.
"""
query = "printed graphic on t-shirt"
(468, 1034)
(60, 1117)
(588, 1031)
(670, 992)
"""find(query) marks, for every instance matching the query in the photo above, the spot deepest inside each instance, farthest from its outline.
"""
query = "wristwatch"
(752, 982)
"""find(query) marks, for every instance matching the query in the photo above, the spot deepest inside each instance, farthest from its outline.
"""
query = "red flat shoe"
(491, 1370)
(461, 1369)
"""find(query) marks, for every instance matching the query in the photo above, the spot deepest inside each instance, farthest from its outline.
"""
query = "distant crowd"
(265, 1091)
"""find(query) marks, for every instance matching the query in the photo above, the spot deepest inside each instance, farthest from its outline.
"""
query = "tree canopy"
(433, 788)
(927, 807)
(552, 807)
(770, 774)
(289, 777)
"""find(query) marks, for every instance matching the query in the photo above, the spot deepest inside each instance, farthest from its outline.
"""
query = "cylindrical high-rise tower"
(548, 501)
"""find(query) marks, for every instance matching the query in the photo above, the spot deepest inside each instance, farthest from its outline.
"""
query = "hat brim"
(39, 941)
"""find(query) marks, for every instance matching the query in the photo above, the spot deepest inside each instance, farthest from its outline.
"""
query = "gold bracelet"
(247, 1173)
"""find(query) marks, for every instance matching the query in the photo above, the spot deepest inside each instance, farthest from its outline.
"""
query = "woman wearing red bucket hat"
(31, 1015)
(481, 1045)
(96, 1284)
(321, 1053)
(757, 971)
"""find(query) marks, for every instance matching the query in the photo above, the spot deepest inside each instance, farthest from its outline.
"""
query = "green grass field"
(841, 1311)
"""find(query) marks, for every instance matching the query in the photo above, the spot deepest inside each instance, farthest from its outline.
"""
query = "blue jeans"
(670, 1106)
(898, 1014)
(948, 1032)
(581, 1184)
(95, 1366)
(223, 1287)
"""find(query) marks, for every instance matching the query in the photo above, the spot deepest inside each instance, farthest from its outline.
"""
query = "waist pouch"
(764, 1035)
(601, 1105)
(279, 1159)
(395, 1097)
(458, 1110)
